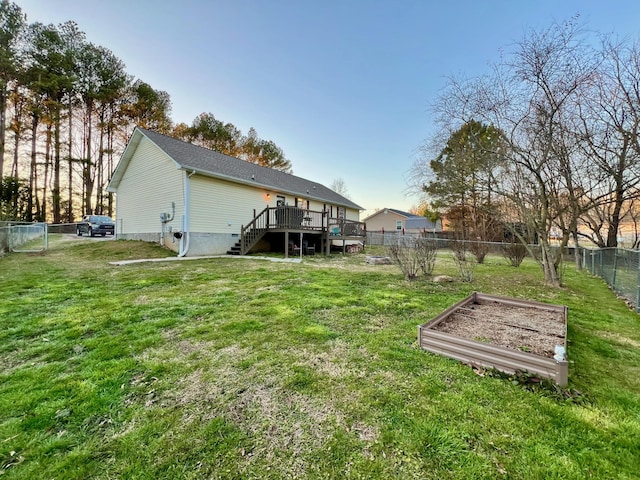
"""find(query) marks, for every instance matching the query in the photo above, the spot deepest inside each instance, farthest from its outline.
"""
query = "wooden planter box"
(484, 354)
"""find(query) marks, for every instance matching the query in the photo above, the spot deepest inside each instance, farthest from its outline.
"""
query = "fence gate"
(27, 237)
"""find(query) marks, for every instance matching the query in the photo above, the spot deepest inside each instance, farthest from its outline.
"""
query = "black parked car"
(95, 225)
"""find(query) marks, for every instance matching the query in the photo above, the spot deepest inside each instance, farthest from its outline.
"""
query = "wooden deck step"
(234, 250)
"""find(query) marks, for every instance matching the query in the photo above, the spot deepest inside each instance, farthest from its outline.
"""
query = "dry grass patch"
(141, 300)
(332, 362)
(283, 426)
(621, 339)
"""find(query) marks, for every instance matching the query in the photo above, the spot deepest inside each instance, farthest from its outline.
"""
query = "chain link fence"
(392, 238)
(619, 267)
(30, 236)
(23, 237)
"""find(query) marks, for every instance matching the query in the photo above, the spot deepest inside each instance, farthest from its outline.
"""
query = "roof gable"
(420, 223)
(211, 163)
(392, 210)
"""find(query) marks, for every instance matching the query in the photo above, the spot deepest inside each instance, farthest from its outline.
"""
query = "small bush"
(466, 266)
(514, 252)
(413, 255)
(426, 250)
(479, 250)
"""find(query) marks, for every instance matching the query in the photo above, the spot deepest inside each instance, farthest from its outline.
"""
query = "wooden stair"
(251, 234)
(235, 249)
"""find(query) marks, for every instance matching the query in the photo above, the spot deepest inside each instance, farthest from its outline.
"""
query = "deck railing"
(294, 218)
(298, 219)
(253, 232)
(346, 228)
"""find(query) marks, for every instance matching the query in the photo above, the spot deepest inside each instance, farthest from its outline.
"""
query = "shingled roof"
(393, 210)
(214, 164)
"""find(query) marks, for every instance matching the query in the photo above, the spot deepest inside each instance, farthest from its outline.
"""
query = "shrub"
(413, 255)
(514, 252)
(426, 250)
(466, 266)
(479, 250)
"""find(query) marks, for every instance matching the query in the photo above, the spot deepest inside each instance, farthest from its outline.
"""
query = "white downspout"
(186, 236)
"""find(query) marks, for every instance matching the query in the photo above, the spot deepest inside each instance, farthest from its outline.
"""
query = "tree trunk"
(70, 216)
(86, 170)
(576, 253)
(614, 224)
(99, 167)
(55, 192)
(18, 110)
(42, 215)
(3, 121)
(16, 145)
(549, 264)
(110, 166)
(32, 169)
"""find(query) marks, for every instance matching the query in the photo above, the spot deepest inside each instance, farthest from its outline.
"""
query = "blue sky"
(343, 87)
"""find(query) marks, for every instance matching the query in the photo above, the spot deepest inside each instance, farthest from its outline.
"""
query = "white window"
(398, 224)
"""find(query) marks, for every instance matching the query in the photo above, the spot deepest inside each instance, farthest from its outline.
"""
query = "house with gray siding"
(197, 201)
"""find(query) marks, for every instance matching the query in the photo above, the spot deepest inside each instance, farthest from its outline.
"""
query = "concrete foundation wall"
(211, 243)
(200, 243)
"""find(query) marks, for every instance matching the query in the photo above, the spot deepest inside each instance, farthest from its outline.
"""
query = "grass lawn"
(235, 368)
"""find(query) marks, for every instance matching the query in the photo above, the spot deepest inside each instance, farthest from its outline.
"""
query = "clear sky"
(342, 86)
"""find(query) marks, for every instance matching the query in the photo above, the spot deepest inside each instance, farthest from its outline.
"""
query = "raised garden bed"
(503, 333)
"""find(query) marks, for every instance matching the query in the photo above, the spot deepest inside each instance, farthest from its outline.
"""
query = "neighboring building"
(201, 202)
(391, 220)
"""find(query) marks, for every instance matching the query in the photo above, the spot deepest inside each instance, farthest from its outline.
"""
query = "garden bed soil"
(523, 328)
(503, 333)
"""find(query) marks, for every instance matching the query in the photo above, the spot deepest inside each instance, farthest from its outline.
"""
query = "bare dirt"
(527, 329)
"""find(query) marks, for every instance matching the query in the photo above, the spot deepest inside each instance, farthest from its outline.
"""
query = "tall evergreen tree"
(12, 25)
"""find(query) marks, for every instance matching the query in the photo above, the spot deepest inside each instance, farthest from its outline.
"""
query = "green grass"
(232, 368)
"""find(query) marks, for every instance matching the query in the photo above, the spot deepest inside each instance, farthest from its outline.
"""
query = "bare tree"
(608, 125)
(530, 97)
(339, 186)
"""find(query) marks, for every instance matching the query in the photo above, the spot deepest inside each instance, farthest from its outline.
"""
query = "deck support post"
(286, 244)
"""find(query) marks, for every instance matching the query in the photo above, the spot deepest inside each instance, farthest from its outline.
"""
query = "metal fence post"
(601, 271)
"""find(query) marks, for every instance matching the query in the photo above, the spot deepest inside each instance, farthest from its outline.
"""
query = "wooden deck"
(295, 223)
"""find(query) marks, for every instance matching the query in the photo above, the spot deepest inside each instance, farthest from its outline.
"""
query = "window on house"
(398, 224)
(280, 201)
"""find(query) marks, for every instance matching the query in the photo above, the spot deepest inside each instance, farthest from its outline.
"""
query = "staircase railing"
(296, 219)
(254, 231)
